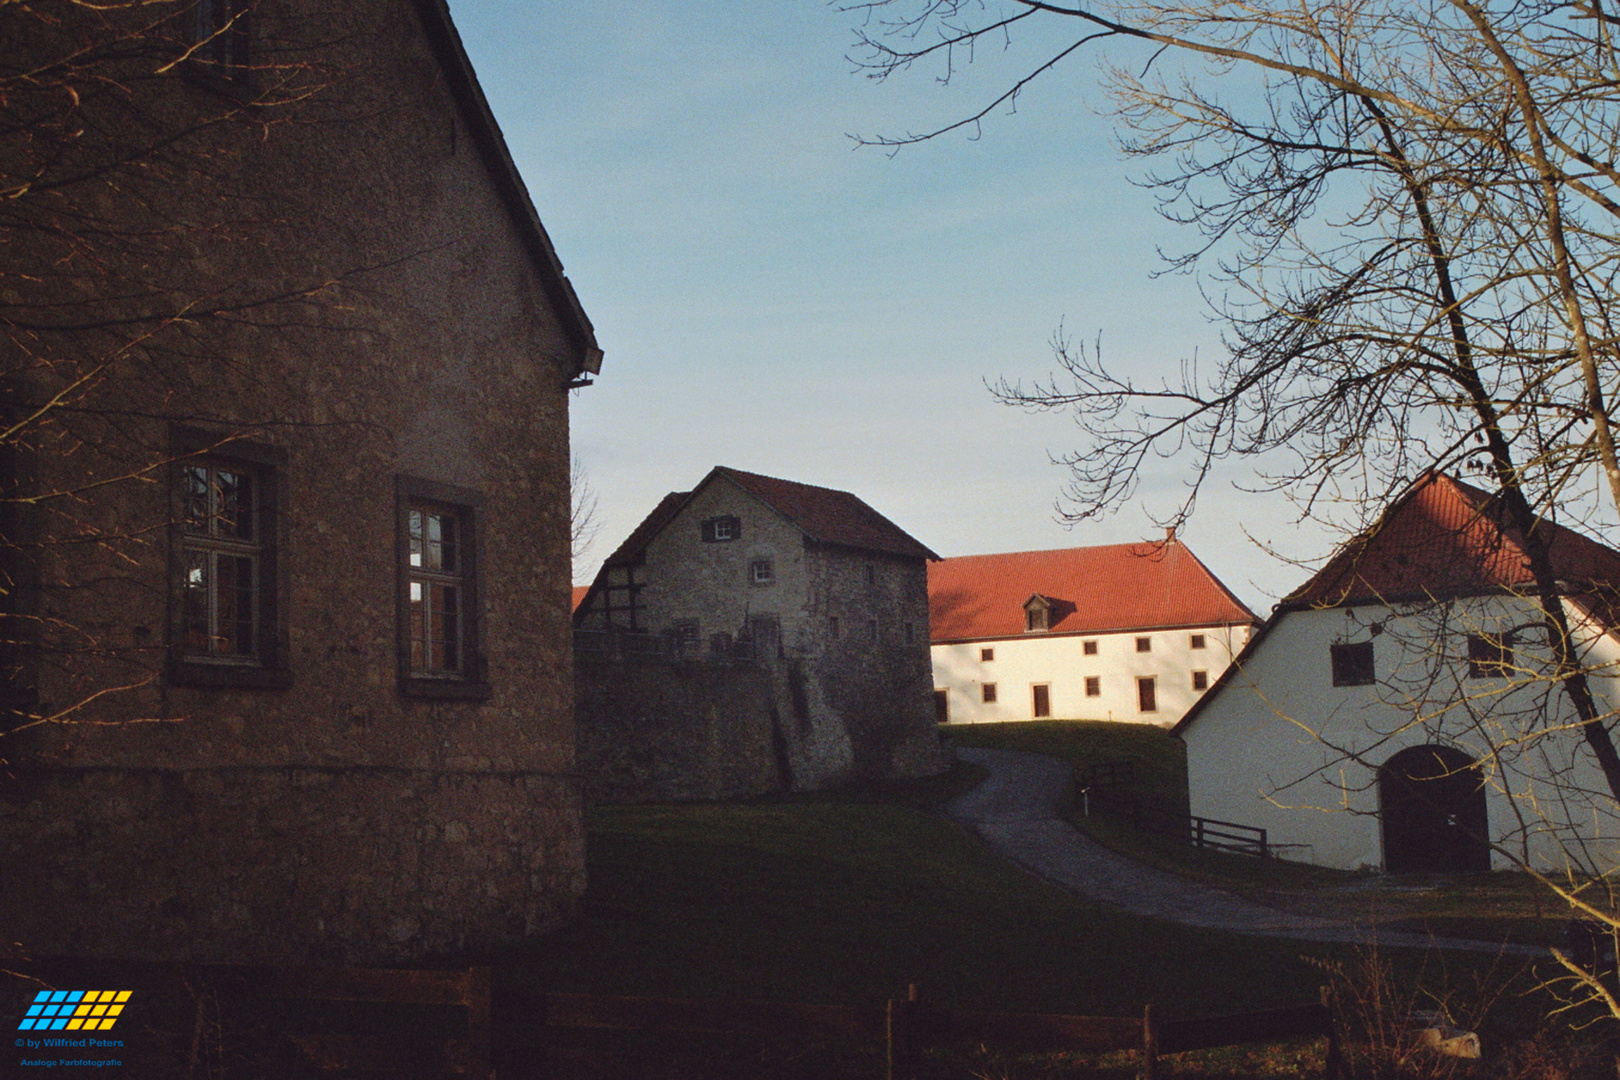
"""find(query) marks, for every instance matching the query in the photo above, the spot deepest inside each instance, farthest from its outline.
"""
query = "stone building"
(810, 584)
(331, 577)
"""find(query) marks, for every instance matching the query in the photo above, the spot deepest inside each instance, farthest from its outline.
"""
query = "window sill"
(443, 689)
(228, 676)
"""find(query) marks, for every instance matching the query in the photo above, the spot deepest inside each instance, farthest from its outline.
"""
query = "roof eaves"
(463, 82)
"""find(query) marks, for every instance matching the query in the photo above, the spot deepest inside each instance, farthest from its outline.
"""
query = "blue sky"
(772, 298)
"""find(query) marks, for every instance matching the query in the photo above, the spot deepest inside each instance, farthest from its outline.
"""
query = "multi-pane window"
(1200, 680)
(762, 571)
(220, 38)
(222, 556)
(987, 693)
(438, 573)
(1093, 686)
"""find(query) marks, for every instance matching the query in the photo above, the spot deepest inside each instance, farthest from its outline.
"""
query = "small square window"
(721, 529)
(761, 572)
(1490, 656)
(1144, 644)
(1089, 648)
(1200, 680)
(1093, 686)
(1353, 665)
(1196, 641)
(987, 693)
(987, 654)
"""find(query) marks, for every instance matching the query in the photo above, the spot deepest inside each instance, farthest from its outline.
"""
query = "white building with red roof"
(1133, 632)
(1399, 710)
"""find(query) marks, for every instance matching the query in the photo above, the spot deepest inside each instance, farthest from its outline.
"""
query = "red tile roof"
(1447, 538)
(580, 592)
(1096, 590)
(823, 514)
(826, 515)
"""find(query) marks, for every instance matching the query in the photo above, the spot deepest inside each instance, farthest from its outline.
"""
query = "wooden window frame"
(1147, 702)
(264, 665)
(1037, 691)
(1093, 686)
(762, 572)
(723, 529)
(1200, 680)
(1353, 663)
(469, 682)
(987, 693)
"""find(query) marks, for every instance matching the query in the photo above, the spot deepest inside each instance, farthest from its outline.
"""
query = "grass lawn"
(847, 897)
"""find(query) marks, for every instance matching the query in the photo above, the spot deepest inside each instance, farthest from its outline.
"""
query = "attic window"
(1037, 614)
(1144, 644)
(1089, 648)
(721, 529)
(987, 654)
(1353, 665)
(761, 572)
(1197, 641)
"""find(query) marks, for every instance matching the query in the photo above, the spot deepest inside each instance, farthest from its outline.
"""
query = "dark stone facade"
(321, 795)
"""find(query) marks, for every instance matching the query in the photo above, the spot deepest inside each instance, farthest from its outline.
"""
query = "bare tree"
(583, 504)
(126, 233)
(1411, 224)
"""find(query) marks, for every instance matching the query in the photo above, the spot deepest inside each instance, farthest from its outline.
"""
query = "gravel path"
(1016, 810)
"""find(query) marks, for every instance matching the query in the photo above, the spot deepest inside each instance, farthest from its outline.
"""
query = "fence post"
(902, 1031)
(1333, 1067)
(1150, 1044)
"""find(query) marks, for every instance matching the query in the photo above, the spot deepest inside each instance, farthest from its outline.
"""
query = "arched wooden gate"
(1431, 803)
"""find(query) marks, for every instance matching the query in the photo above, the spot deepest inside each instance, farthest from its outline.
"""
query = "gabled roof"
(1442, 539)
(1445, 538)
(475, 113)
(1090, 590)
(824, 515)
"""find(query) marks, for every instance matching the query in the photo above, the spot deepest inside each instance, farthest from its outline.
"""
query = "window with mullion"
(222, 554)
(438, 587)
(440, 560)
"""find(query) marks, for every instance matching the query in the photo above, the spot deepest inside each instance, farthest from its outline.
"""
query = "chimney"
(1169, 534)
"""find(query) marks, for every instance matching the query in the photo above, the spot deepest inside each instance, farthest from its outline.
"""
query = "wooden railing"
(908, 1027)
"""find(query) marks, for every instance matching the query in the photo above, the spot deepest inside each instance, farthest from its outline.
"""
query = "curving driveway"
(1016, 810)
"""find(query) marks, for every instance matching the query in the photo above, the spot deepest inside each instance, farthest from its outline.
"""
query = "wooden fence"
(908, 1026)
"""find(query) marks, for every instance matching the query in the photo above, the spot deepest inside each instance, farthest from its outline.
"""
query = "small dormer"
(1037, 614)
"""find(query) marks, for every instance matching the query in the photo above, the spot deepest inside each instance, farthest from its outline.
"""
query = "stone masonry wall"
(657, 730)
(289, 865)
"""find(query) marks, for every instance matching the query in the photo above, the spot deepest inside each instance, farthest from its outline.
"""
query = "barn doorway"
(1431, 803)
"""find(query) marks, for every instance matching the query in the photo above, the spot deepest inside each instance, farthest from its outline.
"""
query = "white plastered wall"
(1281, 748)
(1060, 662)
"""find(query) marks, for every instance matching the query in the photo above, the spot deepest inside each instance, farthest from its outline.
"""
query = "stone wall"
(656, 729)
(289, 865)
(312, 800)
